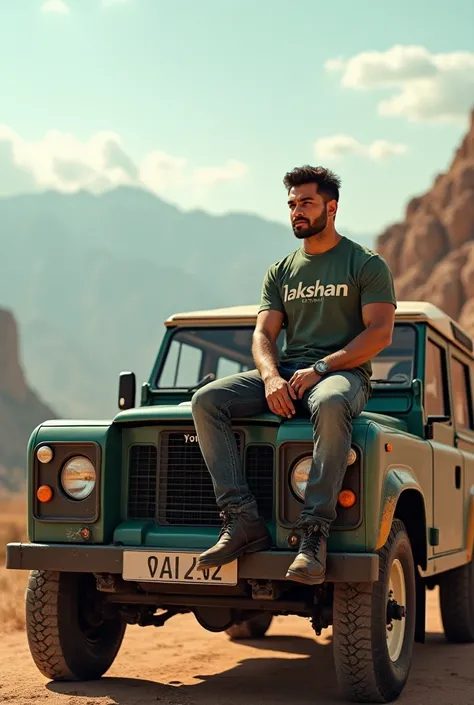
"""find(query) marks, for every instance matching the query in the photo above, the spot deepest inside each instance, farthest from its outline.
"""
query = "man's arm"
(378, 304)
(379, 320)
(265, 354)
(264, 347)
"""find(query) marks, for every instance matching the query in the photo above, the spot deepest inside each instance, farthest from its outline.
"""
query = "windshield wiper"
(390, 381)
(210, 377)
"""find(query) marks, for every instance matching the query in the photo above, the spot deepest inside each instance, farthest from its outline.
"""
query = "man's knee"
(207, 399)
(241, 393)
(330, 405)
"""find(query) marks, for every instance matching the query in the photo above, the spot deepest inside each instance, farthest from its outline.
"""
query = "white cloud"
(380, 150)
(425, 87)
(339, 146)
(62, 162)
(159, 170)
(336, 147)
(58, 6)
(209, 176)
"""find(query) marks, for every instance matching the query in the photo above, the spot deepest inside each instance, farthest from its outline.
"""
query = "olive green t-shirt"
(321, 297)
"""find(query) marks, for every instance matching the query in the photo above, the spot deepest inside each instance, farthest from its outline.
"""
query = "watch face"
(321, 366)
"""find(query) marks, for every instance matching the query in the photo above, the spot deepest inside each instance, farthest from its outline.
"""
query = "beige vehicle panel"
(462, 395)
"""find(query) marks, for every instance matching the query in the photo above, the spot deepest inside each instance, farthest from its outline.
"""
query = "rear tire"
(68, 635)
(373, 662)
(254, 628)
(456, 597)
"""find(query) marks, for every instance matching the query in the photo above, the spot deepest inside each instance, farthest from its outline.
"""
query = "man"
(336, 300)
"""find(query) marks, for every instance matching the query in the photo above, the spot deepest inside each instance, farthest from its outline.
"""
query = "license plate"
(169, 567)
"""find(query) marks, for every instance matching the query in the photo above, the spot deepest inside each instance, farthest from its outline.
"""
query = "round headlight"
(299, 476)
(44, 454)
(78, 477)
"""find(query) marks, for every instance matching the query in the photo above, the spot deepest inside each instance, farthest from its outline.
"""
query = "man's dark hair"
(327, 181)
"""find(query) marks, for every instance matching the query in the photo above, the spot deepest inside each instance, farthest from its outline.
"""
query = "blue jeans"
(332, 404)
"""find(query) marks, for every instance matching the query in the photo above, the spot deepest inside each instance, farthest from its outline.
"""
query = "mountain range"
(86, 282)
(91, 278)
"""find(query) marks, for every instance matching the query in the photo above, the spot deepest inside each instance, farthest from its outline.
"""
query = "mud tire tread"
(456, 598)
(42, 624)
(44, 595)
(357, 658)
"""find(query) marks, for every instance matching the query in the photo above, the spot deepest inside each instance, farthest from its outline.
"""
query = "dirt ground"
(181, 664)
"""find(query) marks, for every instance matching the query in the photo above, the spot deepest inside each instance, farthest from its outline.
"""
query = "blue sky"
(209, 103)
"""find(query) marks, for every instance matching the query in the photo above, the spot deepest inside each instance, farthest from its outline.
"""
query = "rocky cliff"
(431, 253)
(20, 408)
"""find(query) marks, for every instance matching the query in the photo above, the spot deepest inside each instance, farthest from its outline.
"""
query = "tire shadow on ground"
(253, 680)
(441, 672)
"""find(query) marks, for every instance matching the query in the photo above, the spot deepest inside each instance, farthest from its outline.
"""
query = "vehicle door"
(447, 499)
(461, 390)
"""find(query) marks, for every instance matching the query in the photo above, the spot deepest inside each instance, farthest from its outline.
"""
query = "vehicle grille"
(186, 494)
(143, 462)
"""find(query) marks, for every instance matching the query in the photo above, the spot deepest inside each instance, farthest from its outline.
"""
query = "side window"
(182, 365)
(435, 398)
(227, 367)
(461, 396)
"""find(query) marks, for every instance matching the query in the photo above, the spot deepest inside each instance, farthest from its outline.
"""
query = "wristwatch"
(321, 367)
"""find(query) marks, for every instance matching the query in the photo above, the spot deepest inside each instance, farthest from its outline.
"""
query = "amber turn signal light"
(347, 498)
(44, 493)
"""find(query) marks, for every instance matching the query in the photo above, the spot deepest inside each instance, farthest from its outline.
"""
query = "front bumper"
(266, 565)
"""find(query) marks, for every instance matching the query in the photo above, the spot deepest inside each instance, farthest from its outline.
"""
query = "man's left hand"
(303, 380)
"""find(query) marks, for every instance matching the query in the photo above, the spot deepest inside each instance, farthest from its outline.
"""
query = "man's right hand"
(279, 396)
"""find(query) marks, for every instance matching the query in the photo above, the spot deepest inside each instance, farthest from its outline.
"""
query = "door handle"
(457, 477)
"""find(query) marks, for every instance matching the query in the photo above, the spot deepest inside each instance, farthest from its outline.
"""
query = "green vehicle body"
(410, 466)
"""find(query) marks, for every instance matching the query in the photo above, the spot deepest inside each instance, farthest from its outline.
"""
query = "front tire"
(373, 634)
(68, 635)
(456, 597)
(254, 628)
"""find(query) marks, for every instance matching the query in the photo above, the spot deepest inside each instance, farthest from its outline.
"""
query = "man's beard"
(314, 228)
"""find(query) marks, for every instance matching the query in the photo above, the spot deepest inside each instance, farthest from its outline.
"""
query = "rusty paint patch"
(74, 534)
(386, 523)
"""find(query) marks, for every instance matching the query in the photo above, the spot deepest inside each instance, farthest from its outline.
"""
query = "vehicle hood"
(182, 412)
(176, 412)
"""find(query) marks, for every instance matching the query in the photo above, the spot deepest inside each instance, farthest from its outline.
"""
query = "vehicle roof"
(416, 311)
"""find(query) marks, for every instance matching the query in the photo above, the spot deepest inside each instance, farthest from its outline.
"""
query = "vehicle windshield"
(396, 364)
(194, 354)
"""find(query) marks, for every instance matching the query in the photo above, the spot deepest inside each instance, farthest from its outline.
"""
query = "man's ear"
(332, 208)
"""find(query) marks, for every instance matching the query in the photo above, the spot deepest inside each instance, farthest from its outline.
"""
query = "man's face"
(308, 210)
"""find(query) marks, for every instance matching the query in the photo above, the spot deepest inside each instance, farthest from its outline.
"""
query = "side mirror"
(127, 390)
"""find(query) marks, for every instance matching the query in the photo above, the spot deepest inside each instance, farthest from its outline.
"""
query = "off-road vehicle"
(120, 510)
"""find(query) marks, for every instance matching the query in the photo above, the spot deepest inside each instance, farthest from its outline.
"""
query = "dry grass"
(12, 582)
